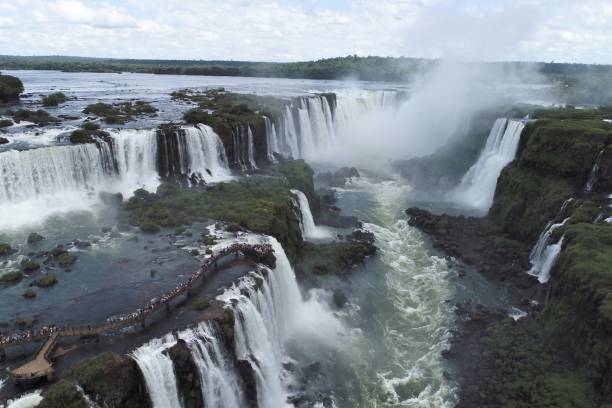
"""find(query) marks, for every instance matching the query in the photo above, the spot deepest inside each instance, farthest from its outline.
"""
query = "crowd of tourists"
(258, 249)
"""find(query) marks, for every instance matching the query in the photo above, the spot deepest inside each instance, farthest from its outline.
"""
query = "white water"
(37, 183)
(309, 229)
(407, 324)
(29, 400)
(158, 372)
(266, 318)
(543, 254)
(594, 174)
(220, 384)
(206, 154)
(319, 125)
(244, 148)
(477, 186)
(136, 154)
(272, 145)
(548, 260)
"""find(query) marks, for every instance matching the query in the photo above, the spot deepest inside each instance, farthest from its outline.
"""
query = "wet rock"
(6, 249)
(339, 298)
(6, 123)
(82, 244)
(187, 374)
(29, 266)
(110, 198)
(11, 277)
(47, 280)
(3, 140)
(29, 294)
(35, 237)
(66, 259)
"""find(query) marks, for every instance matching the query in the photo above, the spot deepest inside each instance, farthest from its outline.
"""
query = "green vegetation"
(66, 259)
(63, 394)
(87, 125)
(10, 88)
(11, 277)
(300, 177)
(47, 280)
(29, 294)
(35, 237)
(120, 113)
(54, 99)
(109, 379)
(39, 117)
(555, 159)
(29, 266)
(201, 303)
(260, 204)
(336, 258)
(6, 249)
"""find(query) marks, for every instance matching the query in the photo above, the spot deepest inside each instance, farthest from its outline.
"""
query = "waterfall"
(543, 255)
(310, 124)
(477, 187)
(309, 229)
(220, 384)
(135, 152)
(38, 182)
(547, 261)
(206, 154)
(268, 311)
(158, 372)
(251, 148)
(263, 319)
(244, 147)
(29, 400)
(271, 140)
(594, 174)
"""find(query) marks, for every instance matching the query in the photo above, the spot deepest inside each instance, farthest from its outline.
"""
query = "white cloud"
(6, 22)
(273, 30)
(99, 16)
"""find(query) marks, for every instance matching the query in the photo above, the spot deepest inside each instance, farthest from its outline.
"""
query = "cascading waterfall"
(206, 154)
(135, 152)
(68, 177)
(594, 174)
(309, 228)
(272, 145)
(477, 187)
(266, 315)
(543, 254)
(244, 147)
(158, 371)
(220, 384)
(310, 124)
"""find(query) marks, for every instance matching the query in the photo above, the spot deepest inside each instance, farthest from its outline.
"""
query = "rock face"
(560, 354)
(187, 376)
(110, 380)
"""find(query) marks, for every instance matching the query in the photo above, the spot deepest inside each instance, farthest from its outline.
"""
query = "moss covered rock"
(10, 88)
(27, 265)
(63, 394)
(54, 99)
(11, 277)
(110, 380)
(47, 280)
(66, 259)
(6, 249)
(35, 237)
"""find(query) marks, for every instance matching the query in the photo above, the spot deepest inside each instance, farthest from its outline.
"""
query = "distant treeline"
(364, 68)
(577, 83)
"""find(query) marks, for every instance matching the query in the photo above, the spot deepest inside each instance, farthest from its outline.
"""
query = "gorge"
(433, 277)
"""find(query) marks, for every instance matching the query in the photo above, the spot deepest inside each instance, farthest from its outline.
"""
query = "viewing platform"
(41, 367)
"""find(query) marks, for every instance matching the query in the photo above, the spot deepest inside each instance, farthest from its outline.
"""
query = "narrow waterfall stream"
(309, 229)
(477, 186)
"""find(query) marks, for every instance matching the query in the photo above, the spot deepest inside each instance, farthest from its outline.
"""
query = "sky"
(293, 30)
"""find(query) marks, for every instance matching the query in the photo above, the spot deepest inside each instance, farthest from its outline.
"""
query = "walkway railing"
(116, 322)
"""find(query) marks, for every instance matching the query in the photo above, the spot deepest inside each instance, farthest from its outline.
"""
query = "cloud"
(99, 16)
(281, 30)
